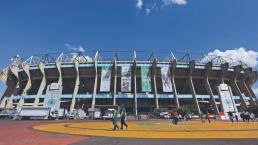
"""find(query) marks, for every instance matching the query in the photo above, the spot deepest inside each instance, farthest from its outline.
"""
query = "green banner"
(146, 80)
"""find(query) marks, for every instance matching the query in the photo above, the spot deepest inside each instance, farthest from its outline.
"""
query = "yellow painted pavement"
(157, 129)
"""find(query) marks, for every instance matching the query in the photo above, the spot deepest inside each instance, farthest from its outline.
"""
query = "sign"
(53, 96)
(126, 79)
(105, 79)
(166, 79)
(146, 80)
(226, 99)
(54, 86)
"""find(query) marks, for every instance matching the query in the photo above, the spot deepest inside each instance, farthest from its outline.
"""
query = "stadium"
(141, 81)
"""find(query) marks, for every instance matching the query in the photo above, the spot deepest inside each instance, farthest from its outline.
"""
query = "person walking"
(252, 117)
(202, 117)
(247, 116)
(236, 117)
(175, 117)
(231, 116)
(114, 119)
(208, 116)
(123, 119)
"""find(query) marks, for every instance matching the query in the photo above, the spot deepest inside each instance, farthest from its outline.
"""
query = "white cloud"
(139, 4)
(238, 54)
(177, 2)
(79, 49)
(154, 5)
(148, 11)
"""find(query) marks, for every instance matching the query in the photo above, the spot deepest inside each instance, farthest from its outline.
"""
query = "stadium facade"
(125, 78)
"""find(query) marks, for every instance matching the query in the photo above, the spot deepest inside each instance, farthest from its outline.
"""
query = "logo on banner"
(166, 79)
(126, 79)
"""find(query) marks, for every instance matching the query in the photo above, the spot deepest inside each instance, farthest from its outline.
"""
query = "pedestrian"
(202, 117)
(242, 115)
(231, 116)
(114, 119)
(252, 117)
(123, 119)
(208, 116)
(180, 117)
(247, 116)
(236, 116)
(175, 117)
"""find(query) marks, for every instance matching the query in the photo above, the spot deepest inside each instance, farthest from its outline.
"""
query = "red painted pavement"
(20, 133)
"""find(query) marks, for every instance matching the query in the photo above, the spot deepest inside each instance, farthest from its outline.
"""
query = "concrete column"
(95, 85)
(3, 77)
(3, 102)
(58, 67)
(208, 87)
(237, 70)
(154, 84)
(115, 81)
(76, 86)
(26, 68)
(9, 102)
(191, 68)
(42, 86)
(7, 97)
(243, 83)
(14, 69)
(174, 83)
(135, 89)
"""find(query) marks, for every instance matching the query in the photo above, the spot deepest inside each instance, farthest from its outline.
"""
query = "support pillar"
(237, 70)
(42, 84)
(115, 81)
(26, 68)
(76, 86)
(135, 90)
(14, 69)
(95, 81)
(247, 73)
(174, 83)
(154, 83)
(191, 68)
(3, 99)
(208, 87)
(3, 102)
(58, 67)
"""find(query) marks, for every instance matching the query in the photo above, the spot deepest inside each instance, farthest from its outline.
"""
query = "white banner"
(226, 99)
(105, 79)
(166, 79)
(53, 96)
(126, 79)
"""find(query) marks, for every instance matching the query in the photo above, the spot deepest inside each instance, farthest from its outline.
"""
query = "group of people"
(119, 115)
(247, 116)
(176, 117)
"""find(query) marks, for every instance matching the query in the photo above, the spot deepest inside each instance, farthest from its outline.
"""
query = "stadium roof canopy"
(159, 56)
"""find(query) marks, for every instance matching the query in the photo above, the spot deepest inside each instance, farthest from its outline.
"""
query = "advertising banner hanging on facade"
(126, 79)
(227, 100)
(166, 79)
(105, 79)
(53, 96)
(146, 79)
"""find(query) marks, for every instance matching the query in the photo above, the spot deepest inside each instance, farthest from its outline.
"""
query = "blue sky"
(31, 27)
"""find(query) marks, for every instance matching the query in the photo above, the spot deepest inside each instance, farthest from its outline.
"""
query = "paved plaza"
(139, 133)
